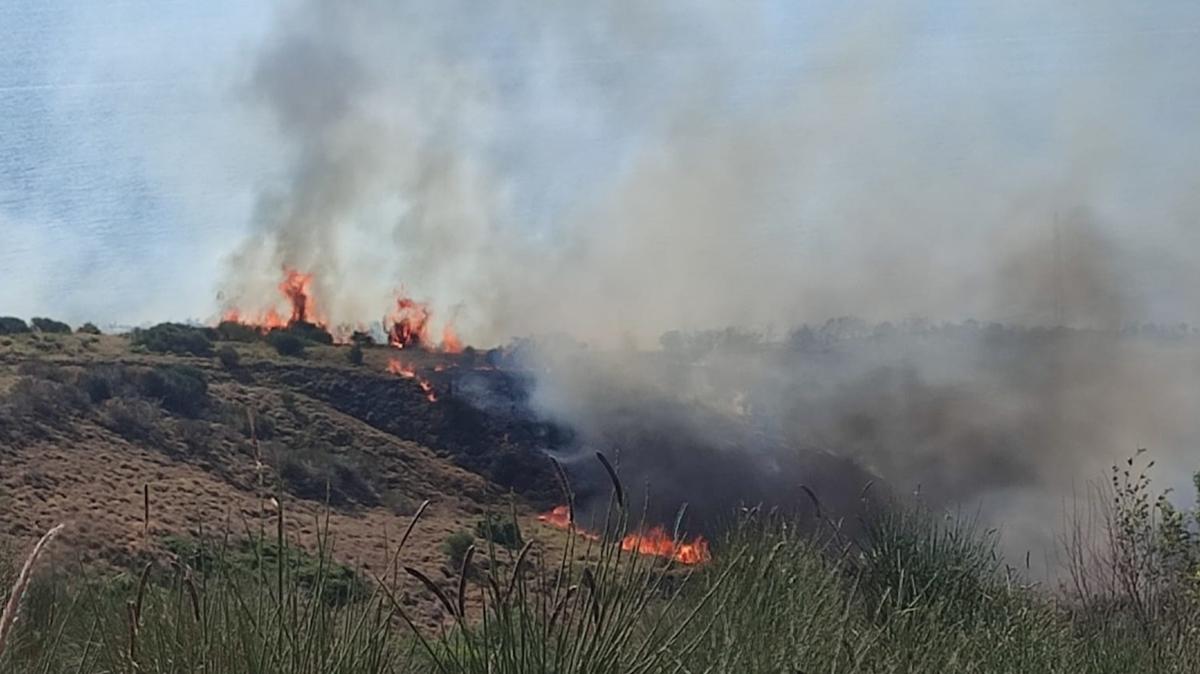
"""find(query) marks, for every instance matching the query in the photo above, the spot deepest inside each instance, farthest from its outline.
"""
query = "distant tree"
(356, 355)
(88, 329)
(230, 360)
(49, 325)
(286, 343)
(10, 325)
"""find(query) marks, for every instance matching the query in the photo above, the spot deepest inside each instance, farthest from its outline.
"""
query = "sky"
(141, 142)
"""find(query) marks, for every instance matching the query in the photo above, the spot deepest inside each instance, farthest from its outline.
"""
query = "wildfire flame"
(656, 541)
(296, 288)
(400, 368)
(407, 327)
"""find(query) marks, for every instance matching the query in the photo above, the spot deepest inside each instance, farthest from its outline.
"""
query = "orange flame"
(296, 288)
(397, 367)
(450, 341)
(655, 542)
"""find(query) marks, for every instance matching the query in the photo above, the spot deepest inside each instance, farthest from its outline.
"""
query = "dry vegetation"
(224, 515)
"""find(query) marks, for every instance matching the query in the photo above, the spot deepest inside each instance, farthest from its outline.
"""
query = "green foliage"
(455, 547)
(11, 325)
(309, 332)
(501, 530)
(286, 343)
(88, 329)
(178, 388)
(355, 355)
(318, 474)
(229, 358)
(232, 331)
(132, 419)
(50, 326)
(257, 605)
(175, 338)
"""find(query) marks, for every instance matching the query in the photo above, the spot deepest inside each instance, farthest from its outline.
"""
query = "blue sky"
(132, 156)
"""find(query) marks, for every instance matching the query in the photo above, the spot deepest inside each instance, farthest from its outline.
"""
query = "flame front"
(400, 368)
(296, 288)
(658, 542)
(655, 541)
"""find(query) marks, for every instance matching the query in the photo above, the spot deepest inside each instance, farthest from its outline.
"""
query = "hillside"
(89, 424)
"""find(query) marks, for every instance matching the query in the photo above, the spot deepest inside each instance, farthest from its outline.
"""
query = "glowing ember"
(402, 369)
(655, 542)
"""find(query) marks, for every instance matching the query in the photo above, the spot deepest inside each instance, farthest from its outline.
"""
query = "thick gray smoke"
(618, 170)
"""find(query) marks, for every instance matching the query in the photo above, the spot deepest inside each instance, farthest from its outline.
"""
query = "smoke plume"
(617, 171)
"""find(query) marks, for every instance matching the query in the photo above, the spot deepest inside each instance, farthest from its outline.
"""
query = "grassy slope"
(208, 471)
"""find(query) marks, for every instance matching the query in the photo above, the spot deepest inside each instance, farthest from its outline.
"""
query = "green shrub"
(229, 358)
(88, 329)
(174, 338)
(355, 355)
(232, 331)
(501, 530)
(10, 325)
(178, 388)
(455, 547)
(310, 332)
(49, 325)
(317, 474)
(131, 419)
(286, 343)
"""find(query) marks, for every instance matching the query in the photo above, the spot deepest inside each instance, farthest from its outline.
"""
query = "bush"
(355, 356)
(232, 331)
(230, 360)
(130, 419)
(501, 530)
(88, 329)
(455, 547)
(317, 474)
(10, 325)
(174, 338)
(178, 388)
(310, 332)
(49, 325)
(286, 343)
(43, 400)
(197, 435)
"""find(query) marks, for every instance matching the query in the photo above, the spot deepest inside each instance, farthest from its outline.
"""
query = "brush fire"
(653, 541)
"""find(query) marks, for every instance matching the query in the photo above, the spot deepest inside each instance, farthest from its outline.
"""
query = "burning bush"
(49, 325)
(11, 325)
(183, 340)
(308, 331)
